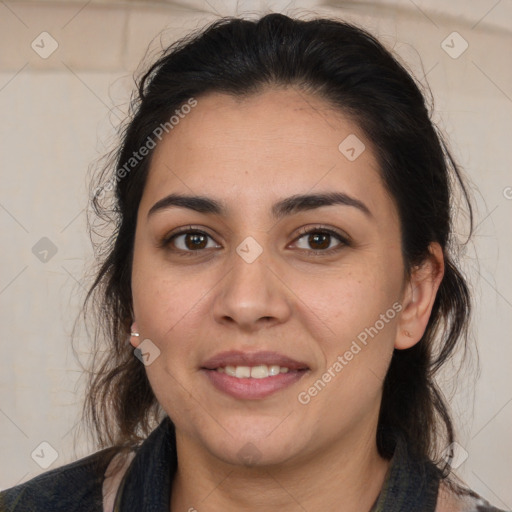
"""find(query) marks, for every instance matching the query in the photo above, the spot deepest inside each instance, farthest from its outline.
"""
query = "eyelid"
(344, 239)
(305, 230)
(166, 239)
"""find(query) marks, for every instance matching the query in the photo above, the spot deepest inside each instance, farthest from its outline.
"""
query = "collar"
(410, 484)
(146, 485)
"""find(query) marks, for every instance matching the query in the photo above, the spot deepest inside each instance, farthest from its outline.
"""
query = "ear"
(419, 296)
(134, 335)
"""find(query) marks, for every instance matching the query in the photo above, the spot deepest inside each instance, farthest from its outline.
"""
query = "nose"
(251, 296)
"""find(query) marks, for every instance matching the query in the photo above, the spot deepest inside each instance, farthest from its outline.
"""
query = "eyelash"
(166, 241)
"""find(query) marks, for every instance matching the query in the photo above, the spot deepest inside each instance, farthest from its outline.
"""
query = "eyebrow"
(288, 206)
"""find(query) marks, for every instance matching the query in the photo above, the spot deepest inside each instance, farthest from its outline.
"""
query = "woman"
(283, 267)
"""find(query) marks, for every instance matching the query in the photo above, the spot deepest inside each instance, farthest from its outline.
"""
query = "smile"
(255, 372)
(252, 383)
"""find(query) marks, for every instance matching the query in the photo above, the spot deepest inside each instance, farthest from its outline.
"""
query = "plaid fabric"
(410, 485)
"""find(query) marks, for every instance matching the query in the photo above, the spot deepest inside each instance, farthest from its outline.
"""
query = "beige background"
(58, 115)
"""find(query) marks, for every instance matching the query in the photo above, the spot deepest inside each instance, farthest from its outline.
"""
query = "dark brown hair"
(352, 71)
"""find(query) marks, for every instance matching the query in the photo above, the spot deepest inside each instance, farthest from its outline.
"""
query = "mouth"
(252, 376)
(261, 371)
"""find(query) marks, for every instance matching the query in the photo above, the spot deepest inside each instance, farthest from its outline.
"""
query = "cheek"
(347, 301)
(172, 311)
(359, 316)
(357, 352)
(166, 309)
(161, 298)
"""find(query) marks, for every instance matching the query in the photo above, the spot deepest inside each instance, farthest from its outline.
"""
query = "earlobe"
(419, 298)
(134, 335)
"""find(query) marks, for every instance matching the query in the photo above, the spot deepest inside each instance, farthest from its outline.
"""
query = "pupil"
(195, 238)
(315, 236)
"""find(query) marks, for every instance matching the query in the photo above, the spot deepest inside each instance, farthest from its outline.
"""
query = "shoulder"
(468, 501)
(74, 487)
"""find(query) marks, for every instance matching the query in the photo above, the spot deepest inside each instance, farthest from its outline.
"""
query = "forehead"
(276, 143)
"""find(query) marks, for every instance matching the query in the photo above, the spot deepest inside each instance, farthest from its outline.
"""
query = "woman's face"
(253, 282)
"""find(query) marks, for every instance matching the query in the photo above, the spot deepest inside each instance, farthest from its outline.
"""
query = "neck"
(346, 476)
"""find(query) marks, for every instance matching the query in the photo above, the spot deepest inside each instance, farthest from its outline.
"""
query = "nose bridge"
(251, 292)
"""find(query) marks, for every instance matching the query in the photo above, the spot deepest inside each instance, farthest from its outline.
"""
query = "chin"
(252, 456)
(248, 449)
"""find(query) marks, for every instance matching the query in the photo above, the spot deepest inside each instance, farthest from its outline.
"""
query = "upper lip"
(239, 358)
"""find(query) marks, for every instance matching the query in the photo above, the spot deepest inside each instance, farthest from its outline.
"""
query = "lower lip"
(249, 388)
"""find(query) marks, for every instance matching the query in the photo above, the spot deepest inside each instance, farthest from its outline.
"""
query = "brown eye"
(194, 241)
(187, 242)
(318, 241)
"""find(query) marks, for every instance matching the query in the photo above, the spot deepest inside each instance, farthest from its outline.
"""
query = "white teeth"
(274, 370)
(242, 372)
(261, 371)
(230, 370)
